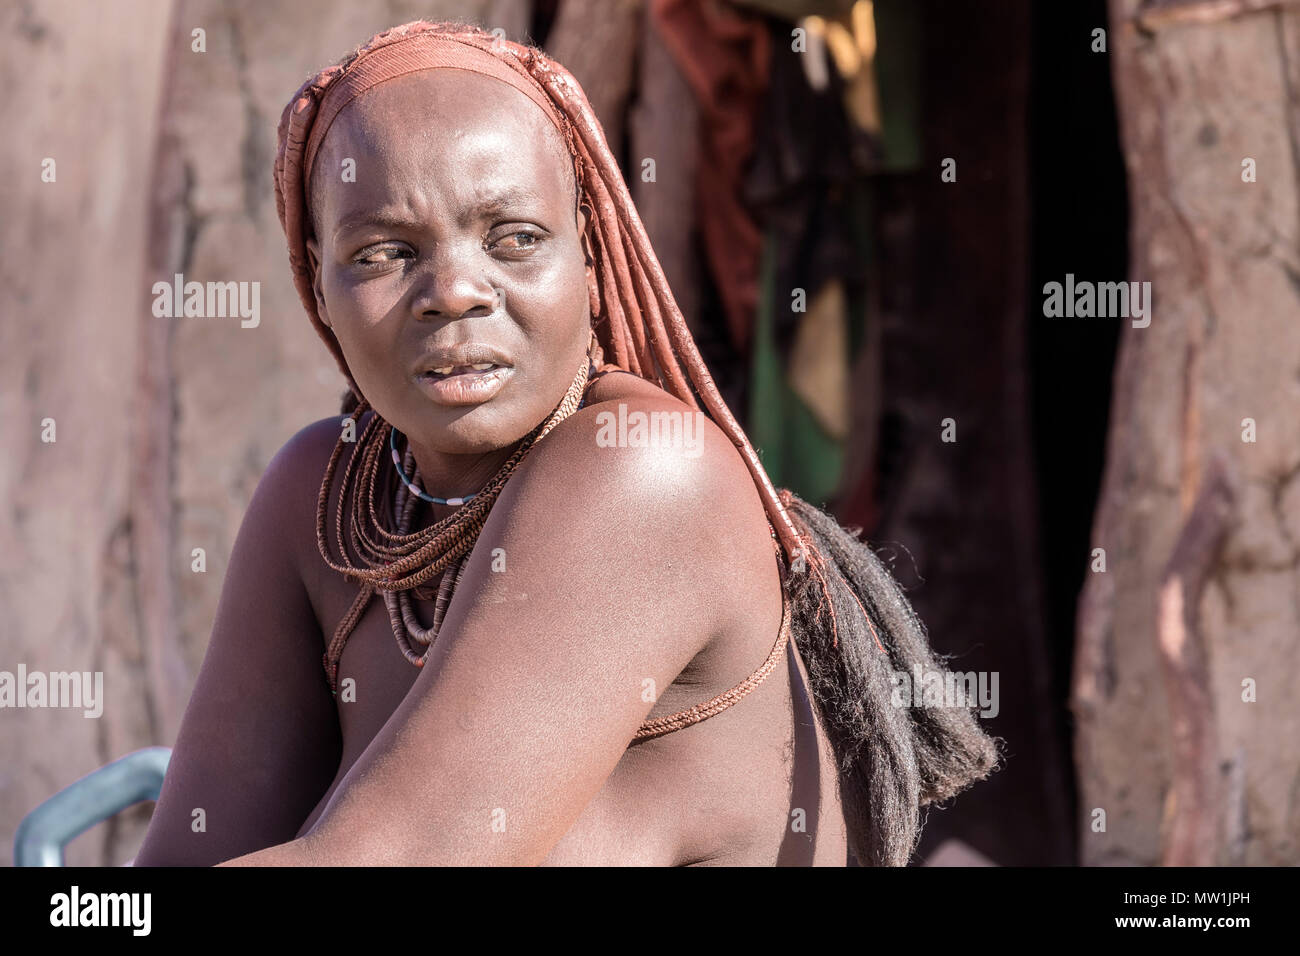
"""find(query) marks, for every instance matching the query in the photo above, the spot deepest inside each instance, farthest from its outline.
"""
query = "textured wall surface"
(163, 425)
(1199, 96)
(71, 261)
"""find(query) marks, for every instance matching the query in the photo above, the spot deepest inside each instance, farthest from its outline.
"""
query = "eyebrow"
(506, 200)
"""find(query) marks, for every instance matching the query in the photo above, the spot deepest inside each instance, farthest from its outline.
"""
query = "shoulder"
(287, 497)
(647, 446)
(301, 461)
(312, 445)
(660, 481)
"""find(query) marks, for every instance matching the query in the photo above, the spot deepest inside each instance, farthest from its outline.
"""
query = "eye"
(380, 254)
(517, 240)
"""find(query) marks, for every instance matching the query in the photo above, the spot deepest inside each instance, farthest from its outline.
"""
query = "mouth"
(449, 370)
(471, 384)
(468, 373)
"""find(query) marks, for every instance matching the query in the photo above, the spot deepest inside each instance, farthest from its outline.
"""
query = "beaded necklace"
(398, 561)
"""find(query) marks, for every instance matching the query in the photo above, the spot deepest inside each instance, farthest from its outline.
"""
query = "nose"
(451, 284)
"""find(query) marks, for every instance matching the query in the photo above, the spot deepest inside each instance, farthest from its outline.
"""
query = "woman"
(610, 650)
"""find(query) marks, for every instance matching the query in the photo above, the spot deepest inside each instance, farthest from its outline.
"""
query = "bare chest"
(718, 791)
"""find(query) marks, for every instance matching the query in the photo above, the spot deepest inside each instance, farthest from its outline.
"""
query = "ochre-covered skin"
(635, 581)
(534, 688)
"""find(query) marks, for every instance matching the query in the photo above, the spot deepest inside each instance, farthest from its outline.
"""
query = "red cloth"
(723, 54)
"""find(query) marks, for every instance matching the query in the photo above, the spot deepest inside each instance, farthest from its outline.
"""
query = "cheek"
(351, 301)
(556, 343)
(554, 309)
(356, 319)
(356, 313)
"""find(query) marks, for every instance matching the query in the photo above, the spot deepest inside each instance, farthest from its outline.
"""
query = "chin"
(475, 429)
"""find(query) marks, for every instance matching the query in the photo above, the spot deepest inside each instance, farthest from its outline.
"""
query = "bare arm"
(534, 688)
(259, 743)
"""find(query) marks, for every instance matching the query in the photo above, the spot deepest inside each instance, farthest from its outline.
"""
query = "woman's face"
(457, 244)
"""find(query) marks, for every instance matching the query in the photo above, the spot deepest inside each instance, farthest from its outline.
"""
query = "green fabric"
(796, 451)
(898, 79)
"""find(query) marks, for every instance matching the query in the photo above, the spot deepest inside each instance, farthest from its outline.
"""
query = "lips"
(470, 357)
(462, 369)
(465, 375)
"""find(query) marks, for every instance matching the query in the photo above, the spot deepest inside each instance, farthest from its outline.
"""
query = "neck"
(443, 475)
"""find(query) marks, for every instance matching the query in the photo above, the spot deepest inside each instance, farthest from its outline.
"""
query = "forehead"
(458, 131)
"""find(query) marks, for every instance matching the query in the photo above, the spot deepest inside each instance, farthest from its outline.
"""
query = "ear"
(584, 221)
(313, 258)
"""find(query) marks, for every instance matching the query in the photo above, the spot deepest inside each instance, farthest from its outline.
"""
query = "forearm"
(297, 852)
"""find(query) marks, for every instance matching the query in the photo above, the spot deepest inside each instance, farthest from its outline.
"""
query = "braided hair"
(851, 622)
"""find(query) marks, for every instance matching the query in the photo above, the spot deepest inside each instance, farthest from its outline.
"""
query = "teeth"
(449, 369)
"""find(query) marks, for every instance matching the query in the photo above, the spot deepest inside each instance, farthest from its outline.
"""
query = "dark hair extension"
(892, 760)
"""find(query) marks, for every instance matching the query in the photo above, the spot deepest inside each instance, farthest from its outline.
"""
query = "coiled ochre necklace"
(398, 561)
